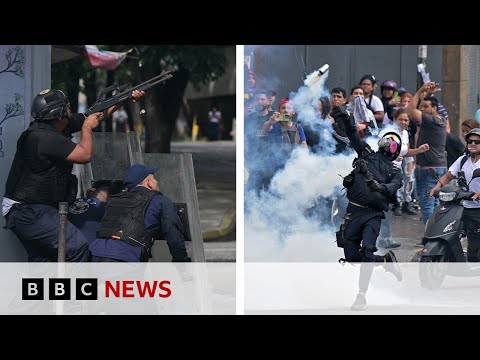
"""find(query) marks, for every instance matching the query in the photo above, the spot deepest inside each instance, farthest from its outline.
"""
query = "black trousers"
(360, 237)
(37, 228)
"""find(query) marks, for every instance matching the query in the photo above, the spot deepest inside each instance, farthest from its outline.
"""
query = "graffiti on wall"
(13, 63)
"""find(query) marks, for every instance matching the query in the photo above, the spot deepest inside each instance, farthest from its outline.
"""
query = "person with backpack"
(471, 216)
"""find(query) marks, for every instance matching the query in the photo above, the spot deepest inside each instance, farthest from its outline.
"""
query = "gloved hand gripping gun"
(122, 93)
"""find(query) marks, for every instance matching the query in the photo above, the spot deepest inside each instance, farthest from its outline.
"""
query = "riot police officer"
(40, 176)
(135, 218)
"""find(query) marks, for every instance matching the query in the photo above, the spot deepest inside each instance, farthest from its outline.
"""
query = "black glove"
(361, 167)
(373, 185)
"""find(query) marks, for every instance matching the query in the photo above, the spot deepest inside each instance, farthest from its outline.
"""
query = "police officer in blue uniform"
(87, 212)
(135, 218)
(40, 176)
(371, 187)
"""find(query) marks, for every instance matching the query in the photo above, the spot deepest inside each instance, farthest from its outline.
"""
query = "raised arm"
(341, 115)
(412, 107)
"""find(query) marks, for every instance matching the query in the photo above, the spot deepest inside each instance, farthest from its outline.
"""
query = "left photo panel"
(118, 179)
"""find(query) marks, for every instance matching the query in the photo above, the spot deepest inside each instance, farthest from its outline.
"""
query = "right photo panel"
(361, 179)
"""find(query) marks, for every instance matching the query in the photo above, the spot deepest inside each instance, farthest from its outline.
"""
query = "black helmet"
(49, 105)
(390, 145)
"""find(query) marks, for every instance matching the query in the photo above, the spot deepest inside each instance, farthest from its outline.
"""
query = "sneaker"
(415, 205)
(391, 265)
(360, 303)
(387, 244)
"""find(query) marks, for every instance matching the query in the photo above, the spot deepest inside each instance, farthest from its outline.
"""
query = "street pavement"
(407, 230)
(214, 164)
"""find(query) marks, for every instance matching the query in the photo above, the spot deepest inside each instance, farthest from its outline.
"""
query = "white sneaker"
(360, 303)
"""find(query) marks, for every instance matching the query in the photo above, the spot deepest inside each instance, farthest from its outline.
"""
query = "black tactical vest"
(46, 186)
(124, 218)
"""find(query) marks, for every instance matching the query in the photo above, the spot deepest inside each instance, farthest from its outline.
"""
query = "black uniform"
(40, 177)
(370, 192)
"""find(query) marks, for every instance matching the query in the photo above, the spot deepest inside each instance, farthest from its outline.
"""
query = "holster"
(340, 233)
(72, 188)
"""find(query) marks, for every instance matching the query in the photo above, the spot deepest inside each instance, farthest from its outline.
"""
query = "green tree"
(196, 63)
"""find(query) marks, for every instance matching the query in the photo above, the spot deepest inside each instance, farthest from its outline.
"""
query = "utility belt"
(348, 217)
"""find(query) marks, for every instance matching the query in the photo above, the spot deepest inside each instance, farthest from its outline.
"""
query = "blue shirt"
(86, 213)
(160, 214)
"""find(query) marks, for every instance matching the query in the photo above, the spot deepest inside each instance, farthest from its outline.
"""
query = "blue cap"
(135, 174)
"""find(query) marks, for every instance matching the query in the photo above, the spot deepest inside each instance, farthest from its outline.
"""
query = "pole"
(63, 211)
(62, 238)
(422, 56)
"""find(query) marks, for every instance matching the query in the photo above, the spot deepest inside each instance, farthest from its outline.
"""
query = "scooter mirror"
(476, 174)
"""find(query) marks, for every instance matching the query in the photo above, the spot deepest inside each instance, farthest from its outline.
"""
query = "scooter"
(443, 233)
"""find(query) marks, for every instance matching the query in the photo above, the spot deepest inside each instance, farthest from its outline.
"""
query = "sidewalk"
(217, 212)
(215, 167)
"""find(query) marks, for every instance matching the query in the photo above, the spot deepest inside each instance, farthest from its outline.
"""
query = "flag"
(108, 60)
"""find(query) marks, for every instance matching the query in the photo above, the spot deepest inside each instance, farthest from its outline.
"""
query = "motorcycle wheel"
(432, 270)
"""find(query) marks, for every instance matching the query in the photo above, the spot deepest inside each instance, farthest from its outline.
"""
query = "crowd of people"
(417, 151)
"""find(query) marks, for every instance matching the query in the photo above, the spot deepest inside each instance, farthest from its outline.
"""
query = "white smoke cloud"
(277, 226)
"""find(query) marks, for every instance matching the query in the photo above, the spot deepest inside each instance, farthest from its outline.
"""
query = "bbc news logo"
(59, 289)
(87, 289)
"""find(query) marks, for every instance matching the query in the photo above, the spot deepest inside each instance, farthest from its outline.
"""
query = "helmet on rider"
(389, 84)
(390, 145)
(474, 131)
(49, 105)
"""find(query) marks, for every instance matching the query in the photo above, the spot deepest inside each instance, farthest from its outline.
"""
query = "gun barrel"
(165, 75)
(127, 94)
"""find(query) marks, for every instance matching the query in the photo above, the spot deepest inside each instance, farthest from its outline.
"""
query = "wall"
(282, 66)
(24, 71)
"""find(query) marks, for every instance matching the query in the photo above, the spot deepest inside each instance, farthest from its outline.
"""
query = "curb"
(226, 225)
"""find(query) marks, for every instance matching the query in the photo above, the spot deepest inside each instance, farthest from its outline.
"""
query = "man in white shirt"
(471, 214)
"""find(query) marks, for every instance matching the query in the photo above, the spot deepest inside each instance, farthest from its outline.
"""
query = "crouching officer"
(135, 218)
(87, 212)
(371, 186)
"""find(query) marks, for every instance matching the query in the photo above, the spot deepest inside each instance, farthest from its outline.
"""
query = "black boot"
(391, 265)
(410, 209)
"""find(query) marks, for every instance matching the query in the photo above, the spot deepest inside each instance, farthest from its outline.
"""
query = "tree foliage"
(199, 64)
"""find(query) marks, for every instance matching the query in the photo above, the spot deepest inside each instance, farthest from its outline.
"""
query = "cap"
(285, 101)
(135, 174)
(474, 131)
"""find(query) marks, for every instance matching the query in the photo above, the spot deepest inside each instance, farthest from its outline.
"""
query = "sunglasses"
(470, 141)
